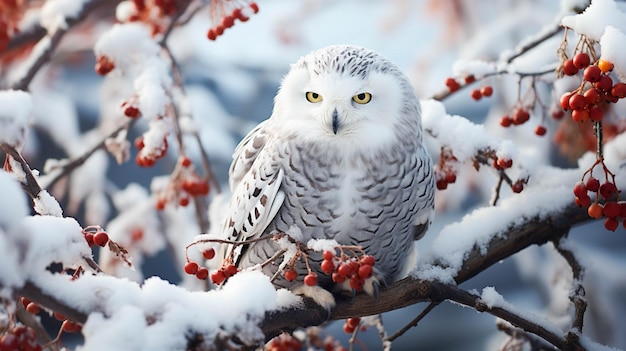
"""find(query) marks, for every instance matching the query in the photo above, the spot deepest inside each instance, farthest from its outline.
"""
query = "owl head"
(346, 94)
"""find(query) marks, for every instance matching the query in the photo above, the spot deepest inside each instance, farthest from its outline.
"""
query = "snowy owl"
(341, 157)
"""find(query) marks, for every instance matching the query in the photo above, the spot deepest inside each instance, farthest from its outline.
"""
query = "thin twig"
(534, 43)
(67, 168)
(31, 186)
(414, 322)
(577, 295)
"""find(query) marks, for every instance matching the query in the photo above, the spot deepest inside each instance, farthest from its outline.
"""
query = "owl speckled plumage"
(341, 157)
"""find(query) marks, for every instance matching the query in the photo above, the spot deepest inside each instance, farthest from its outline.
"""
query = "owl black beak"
(335, 121)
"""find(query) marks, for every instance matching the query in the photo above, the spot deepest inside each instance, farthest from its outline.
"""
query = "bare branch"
(577, 295)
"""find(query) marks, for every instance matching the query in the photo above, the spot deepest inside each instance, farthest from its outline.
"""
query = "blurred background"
(230, 84)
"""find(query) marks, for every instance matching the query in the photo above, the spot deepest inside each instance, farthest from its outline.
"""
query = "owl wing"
(255, 181)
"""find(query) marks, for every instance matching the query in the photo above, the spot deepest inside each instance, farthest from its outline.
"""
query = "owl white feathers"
(341, 157)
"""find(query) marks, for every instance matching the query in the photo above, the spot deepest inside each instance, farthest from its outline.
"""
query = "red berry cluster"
(104, 65)
(228, 20)
(95, 235)
(11, 12)
(284, 342)
(154, 13)
(444, 171)
(148, 160)
(518, 117)
(341, 268)
(186, 184)
(19, 338)
(218, 277)
(479, 93)
(351, 325)
(612, 210)
(589, 100)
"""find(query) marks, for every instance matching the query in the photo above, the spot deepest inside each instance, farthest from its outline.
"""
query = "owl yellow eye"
(362, 98)
(313, 97)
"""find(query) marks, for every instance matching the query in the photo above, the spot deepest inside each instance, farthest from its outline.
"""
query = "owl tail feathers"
(320, 295)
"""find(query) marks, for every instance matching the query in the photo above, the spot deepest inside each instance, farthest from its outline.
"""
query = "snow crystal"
(597, 16)
(54, 13)
(125, 330)
(614, 50)
(46, 204)
(491, 297)
(149, 87)
(286, 299)
(15, 113)
(158, 130)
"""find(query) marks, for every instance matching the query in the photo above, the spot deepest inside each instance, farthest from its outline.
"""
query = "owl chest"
(331, 199)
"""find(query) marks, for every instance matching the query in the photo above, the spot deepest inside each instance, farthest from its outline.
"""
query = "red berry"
(345, 269)
(291, 275)
(310, 279)
(557, 114)
(619, 90)
(470, 79)
(582, 202)
(185, 161)
(139, 142)
(160, 204)
(212, 36)
(520, 116)
(595, 210)
(595, 113)
(58, 316)
(504, 163)
(101, 238)
(592, 74)
(592, 184)
(604, 84)
(540, 130)
(565, 101)
(70, 327)
(577, 102)
(254, 7)
(580, 115)
(592, 96)
(183, 200)
(476, 94)
(104, 65)
(202, 273)
(89, 239)
(9, 342)
(569, 69)
(191, 267)
(327, 266)
(486, 91)
(607, 190)
(219, 30)
(353, 322)
(365, 271)
(611, 224)
(338, 278)
(208, 254)
(218, 277)
(505, 121)
(230, 270)
(347, 329)
(442, 184)
(368, 260)
(611, 209)
(580, 189)
(328, 255)
(581, 60)
(452, 85)
(131, 112)
(518, 187)
(356, 282)
(228, 21)
(33, 308)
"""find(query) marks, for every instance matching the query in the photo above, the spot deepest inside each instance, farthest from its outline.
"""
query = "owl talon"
(321, 296)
